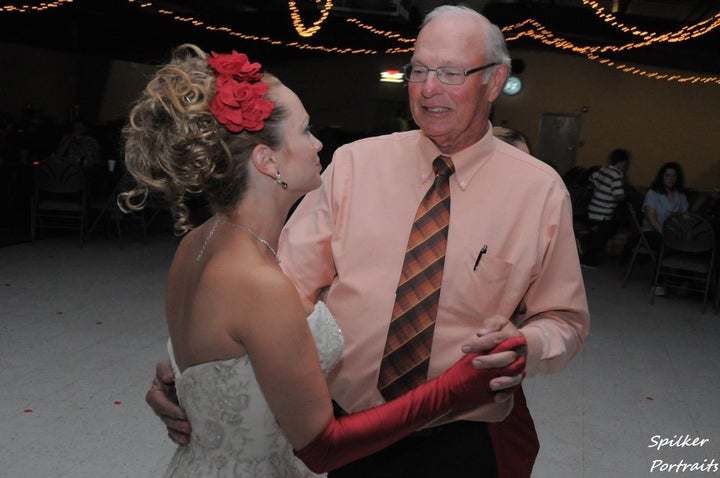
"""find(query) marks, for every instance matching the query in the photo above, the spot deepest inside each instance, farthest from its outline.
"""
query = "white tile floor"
(81, 329)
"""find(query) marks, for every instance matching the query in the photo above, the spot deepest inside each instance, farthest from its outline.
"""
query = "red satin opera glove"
(355, 436)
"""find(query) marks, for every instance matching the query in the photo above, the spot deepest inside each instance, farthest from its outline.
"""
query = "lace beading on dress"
(234, 433)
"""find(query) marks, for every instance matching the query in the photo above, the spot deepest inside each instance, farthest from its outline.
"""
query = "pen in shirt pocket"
(482, 252)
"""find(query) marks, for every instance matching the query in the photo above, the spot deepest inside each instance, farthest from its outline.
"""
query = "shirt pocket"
(491, 270)
(484, 290)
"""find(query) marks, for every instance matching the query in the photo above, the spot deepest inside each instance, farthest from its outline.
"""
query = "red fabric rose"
(236, 64)
(239, 103)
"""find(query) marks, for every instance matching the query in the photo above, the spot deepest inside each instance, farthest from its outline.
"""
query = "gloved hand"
(355, 436)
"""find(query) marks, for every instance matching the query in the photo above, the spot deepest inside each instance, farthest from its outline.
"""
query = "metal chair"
(59, 197)
(687, 255)
(108, 209)
(642, 246)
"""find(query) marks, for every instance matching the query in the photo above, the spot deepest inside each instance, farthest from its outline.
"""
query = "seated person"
(665, 197)
(709, 207)
(80, 147)
(608, 192)
(513, 137)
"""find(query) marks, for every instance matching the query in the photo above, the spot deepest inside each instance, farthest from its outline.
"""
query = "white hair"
(496, 48)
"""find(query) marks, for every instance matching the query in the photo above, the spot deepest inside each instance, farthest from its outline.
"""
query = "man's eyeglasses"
(450, 75)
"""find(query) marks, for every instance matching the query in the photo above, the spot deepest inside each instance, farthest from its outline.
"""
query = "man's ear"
(497, 81)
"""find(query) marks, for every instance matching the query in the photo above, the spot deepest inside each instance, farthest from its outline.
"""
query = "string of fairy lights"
(528, 28)
(298, 22)
(39, 7)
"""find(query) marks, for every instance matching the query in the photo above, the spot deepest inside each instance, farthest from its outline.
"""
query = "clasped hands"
(500, 348)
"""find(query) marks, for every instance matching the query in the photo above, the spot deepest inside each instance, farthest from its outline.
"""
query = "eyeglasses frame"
(466, 73)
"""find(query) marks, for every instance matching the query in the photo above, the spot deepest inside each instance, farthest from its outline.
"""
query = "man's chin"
(434, 130)
(442, 142)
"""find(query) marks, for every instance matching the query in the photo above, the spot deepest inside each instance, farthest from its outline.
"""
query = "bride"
(248, 352)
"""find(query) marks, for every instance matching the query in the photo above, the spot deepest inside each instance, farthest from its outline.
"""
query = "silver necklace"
(252, 233)
(207, 239)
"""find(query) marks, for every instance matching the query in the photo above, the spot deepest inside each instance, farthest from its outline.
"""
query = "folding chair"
(687, 255)
(642, 246)
(109, 210)
(59, 198)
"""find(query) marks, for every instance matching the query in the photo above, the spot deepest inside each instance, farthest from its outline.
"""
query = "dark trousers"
(459, 449)
(515, 441)
(600, 233)
(654, 239)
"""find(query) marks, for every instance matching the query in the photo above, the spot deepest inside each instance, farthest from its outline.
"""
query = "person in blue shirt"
(665, 197)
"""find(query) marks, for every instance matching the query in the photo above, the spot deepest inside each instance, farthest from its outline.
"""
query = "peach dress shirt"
(345, 244)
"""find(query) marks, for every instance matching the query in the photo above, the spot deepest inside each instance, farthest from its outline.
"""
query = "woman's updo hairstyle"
(175, 146)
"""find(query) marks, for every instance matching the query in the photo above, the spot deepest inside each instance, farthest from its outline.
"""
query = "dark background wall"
(656, 120)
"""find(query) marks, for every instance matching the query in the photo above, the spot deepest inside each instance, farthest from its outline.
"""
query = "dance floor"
(82, 327)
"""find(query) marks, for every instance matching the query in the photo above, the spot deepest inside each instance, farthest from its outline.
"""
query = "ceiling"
(123, 29)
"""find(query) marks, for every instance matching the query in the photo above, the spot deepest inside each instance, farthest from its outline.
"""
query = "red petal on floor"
(650, 398)
(59, 312)
(28, 410)
(98, 323)
(118, 402)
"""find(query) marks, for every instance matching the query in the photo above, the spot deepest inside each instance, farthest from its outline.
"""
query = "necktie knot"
(443, 166)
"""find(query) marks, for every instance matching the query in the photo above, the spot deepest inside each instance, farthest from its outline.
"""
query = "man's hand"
(163, 400)
(493, 331)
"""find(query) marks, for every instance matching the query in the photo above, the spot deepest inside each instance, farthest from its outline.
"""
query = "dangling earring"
(279, 180)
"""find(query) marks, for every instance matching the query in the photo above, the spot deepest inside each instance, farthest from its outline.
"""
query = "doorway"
(559, 136)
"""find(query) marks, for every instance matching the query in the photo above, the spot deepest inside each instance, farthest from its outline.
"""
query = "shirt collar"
(467, 162)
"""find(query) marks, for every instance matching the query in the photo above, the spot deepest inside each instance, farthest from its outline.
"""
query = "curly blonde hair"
(176, 147)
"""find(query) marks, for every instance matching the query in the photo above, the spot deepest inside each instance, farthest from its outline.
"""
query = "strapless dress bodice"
(234, 433)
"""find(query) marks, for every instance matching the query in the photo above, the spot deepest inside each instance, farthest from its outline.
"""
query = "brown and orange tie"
(407, 350)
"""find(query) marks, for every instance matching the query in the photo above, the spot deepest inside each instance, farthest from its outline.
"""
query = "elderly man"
(510, 260)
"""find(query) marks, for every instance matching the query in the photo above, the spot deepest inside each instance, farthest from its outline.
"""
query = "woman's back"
(215, 276)
(215, 283)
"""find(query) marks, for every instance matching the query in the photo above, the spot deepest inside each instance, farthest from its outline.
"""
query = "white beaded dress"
(234, 433)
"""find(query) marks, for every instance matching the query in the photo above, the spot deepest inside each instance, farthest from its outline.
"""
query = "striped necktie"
(407, 350)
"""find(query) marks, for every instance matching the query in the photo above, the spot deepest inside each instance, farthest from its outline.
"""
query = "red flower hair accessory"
(238, 103)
